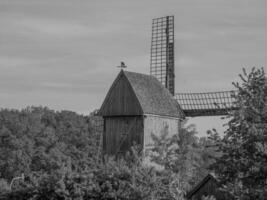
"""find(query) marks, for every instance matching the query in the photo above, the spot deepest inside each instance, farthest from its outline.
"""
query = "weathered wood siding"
(115, 127)
(156, 125)
(121, 100)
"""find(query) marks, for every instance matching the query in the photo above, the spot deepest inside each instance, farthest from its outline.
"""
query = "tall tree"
(243, 164)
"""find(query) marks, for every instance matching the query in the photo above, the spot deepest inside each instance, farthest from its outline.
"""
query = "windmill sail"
(162, 51)
(162, 66)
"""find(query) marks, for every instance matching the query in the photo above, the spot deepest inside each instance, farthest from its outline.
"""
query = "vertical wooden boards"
(129, 128)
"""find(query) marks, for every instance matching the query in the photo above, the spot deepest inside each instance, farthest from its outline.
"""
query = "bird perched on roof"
(122, 65)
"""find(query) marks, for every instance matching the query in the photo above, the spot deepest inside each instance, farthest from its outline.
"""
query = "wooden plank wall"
(115, 127)
(121, 100)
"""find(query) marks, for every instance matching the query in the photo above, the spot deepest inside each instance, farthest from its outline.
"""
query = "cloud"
(52, 28)
(64, 49)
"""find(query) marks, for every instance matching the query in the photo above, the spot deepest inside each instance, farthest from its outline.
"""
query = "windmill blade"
(162, 51)
(207, 103)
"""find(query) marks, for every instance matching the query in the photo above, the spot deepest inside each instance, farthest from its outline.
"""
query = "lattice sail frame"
(162, 52)
(207, 104)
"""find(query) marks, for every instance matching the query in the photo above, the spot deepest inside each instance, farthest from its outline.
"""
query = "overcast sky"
(63, 53)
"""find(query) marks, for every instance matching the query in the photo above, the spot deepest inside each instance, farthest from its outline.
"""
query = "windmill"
(162, 66)
(122, 120)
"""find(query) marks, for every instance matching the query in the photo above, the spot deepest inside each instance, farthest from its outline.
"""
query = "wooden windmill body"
(136, 106)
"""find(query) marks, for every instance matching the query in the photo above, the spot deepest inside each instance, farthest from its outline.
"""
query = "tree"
(185, 156)
(242, 168)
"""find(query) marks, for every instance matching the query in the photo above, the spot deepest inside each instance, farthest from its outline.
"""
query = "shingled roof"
(153, 97)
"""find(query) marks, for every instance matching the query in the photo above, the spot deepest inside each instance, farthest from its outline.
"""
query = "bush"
(121, 179)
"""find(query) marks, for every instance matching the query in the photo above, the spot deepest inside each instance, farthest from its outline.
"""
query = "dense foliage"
(56, 152)
(40, 140)
(123, 179)
(242, 168)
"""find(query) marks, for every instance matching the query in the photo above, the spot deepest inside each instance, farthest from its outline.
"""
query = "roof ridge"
(125, 71)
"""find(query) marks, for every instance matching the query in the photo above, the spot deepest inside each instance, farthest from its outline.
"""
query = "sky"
(63, 53)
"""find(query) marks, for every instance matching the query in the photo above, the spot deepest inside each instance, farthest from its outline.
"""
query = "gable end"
(121, 99)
